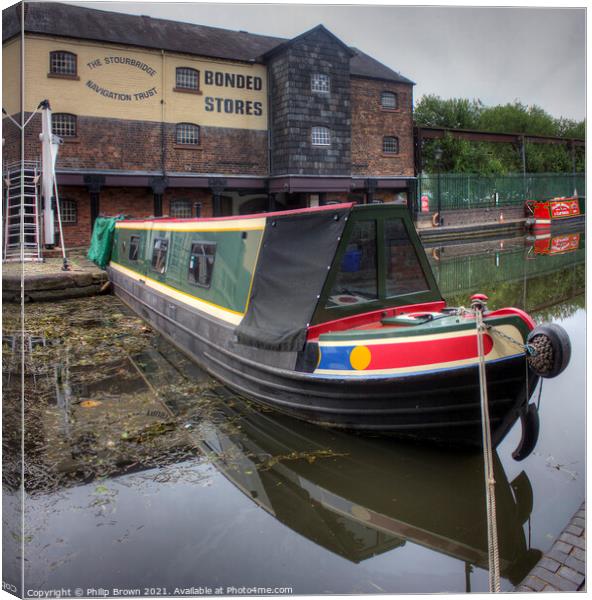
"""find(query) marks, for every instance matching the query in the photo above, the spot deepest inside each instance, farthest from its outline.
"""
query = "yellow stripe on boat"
(220, 312)
(193, 226)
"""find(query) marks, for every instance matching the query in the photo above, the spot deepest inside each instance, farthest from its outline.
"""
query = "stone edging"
(563, 568)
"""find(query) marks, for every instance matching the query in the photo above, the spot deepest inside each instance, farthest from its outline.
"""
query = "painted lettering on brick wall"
(233, 106)
(131, 96)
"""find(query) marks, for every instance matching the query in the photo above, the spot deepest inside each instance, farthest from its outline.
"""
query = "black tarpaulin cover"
(296, 251)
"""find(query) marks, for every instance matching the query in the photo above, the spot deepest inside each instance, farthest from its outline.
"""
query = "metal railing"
(457, 191)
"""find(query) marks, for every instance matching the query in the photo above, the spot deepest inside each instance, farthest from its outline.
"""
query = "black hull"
(442, 406)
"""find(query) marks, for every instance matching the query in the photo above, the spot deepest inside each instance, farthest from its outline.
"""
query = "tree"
(461, 156)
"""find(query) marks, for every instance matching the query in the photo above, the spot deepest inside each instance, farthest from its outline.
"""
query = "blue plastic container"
(351, 261)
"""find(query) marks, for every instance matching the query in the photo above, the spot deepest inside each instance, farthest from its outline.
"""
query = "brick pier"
(563, 568)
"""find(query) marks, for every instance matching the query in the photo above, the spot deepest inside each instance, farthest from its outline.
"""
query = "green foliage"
(462, 156)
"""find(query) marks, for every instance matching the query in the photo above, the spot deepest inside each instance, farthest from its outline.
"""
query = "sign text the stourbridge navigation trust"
(121, 96)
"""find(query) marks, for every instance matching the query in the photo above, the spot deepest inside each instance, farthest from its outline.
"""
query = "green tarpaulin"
(102, 240)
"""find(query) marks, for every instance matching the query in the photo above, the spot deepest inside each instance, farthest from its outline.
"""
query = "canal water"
(143, 473)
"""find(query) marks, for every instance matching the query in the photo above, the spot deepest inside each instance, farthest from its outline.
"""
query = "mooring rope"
(492, 543)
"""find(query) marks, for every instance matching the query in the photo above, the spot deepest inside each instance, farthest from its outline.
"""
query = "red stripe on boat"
(279, 213)
(371, 318)
(433, 352)
(510, 310)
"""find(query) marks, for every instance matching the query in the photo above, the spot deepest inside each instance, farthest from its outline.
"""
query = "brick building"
(161, 117)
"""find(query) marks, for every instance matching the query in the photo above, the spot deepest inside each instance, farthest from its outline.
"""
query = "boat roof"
(263, 215)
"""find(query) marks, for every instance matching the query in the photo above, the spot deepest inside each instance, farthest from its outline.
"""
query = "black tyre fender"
(558, 340)
(529, 419)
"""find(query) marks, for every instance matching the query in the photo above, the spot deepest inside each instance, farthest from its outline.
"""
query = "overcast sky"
(534, 55)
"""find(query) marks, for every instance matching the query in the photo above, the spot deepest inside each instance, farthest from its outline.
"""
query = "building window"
(320, 83)
(63, 63)
(63, 124)
(181, 209)
(187, 79)
(68, 211)
(389, 100)
(187, 134)
(134, 247)
(159, 255)
(201, 263)
(390, 144)
(320, 136)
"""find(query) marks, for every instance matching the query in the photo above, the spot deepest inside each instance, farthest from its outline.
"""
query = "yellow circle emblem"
(360, 358)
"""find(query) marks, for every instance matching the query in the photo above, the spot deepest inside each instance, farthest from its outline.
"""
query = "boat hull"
(559, 213)
(443, 406)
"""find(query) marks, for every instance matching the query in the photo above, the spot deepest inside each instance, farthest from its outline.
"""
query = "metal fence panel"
(461, 191)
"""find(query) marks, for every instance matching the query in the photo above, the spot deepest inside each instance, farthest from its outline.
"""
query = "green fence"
(460, 191)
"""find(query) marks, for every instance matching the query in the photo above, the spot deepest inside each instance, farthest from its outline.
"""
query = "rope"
(492, 543)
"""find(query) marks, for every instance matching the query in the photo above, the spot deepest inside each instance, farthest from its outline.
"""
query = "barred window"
(181, 208)
(320, 136)
(187, 133)
(63, 124)
(187, 79)
(390, 144)
(389, 100)
(68, 210)
(62, 63)
(320, 83)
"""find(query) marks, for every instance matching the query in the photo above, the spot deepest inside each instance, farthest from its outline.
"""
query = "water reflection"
(372, 495)
(354, 496)
(532, 273)
(142, 470)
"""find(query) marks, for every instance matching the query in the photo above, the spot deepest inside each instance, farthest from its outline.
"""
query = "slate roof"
(67, 20)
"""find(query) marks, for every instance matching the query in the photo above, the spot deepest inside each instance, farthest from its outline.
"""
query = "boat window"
(357, 280)
(134, 247)
(404, 273)
(159, 255)
(201, 263)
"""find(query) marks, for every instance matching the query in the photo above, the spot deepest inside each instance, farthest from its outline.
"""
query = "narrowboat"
(331, 315)
(547, 214)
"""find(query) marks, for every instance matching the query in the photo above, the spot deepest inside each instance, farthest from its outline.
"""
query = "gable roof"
(67, 20)
(302, 36)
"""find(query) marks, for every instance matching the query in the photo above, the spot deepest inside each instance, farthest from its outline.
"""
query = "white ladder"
(22, 227)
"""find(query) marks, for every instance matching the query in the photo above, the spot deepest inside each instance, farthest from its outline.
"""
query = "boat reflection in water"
(359, 497)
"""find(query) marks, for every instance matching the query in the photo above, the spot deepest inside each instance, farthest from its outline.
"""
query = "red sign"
(564, 208)
(565, 243)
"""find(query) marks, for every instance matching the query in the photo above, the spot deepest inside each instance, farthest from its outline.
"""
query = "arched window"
(63, 125)
(187, 79)
(187, 134)
(389, 100)
(390, 144)
(320, 136)
(63, 64)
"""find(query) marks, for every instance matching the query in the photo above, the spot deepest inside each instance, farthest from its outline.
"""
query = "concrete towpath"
(46, 281)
